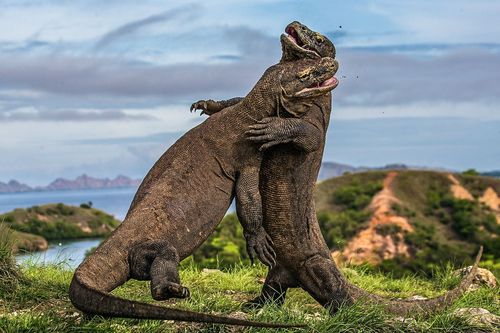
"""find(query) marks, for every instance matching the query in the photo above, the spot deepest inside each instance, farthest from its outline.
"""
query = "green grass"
(40, 303)
(9, 272)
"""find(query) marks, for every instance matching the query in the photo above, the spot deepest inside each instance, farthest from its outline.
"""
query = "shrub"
(338, 228)
(389, 229)
(86, 205)
(470, 172)
(225, 247)
(9, 274)
(469, 219)
(50, 230)
(427, 252)
(355, 195)
(7, 218)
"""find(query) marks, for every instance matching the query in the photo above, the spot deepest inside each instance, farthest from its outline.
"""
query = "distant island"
(83, 182)
(35, 226)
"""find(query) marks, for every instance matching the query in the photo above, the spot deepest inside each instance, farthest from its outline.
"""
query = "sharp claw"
(264, 147)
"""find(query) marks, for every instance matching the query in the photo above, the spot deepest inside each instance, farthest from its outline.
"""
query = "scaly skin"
(177, 207)
(288, 175)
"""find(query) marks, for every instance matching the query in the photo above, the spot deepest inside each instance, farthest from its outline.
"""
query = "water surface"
(66, 253)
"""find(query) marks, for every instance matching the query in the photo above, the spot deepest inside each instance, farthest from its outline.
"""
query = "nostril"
(302, 27)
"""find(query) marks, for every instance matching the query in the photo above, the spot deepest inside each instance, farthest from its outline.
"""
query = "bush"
(388, 229)
(470, 172)
(427, 252)
(468, 219)
(338, 228)
(9, 274)
(225, 247)
(355, 195)
(86, 205)
(351, 199)
(7, 218)
(50, 230)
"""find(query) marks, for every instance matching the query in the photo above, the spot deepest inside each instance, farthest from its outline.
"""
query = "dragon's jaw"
(319, 88)
(294, 40)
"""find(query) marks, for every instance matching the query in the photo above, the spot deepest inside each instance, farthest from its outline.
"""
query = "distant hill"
(409, 220)
(83, 182)
(14, 186)
(332, 169)
(492, 174)
(35, 225)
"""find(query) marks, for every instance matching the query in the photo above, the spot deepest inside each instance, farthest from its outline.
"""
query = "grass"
(40, 303)
(9, 273)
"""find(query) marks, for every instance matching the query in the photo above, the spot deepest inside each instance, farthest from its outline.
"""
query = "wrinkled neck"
(261, 102)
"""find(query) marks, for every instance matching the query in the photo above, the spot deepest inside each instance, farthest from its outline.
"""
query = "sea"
(70, 253)
(112, 201)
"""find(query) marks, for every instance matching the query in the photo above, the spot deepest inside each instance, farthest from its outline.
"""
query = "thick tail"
(413, 307)
(96, 302)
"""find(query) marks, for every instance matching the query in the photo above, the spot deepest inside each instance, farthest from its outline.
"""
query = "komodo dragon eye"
(319, 38)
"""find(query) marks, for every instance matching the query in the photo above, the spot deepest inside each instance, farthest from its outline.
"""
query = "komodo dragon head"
(299, 42)
(304, 80)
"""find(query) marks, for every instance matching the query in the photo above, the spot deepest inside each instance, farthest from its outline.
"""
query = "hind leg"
(322, 279)
(157, 261)
(278, 280)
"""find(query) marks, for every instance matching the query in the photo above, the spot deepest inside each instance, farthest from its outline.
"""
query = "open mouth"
(327, 85)
(294, 37)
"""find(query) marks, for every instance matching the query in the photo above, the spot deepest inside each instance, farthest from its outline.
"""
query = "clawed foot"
(269, 132)
(260, 301)
(204, 105)
(166, 290)
(254, 304)
(261, 245)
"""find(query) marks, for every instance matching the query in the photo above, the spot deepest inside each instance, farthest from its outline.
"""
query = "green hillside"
(36, 224)
(445, 228)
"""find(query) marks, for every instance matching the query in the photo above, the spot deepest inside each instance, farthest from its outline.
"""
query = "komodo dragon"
(288, 176)
(177, 207)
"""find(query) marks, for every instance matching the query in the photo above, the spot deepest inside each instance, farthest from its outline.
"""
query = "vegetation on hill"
(446, 229)
(343, 208)
(56, 221)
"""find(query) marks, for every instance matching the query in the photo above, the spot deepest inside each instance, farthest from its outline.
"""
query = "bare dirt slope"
(383, 239)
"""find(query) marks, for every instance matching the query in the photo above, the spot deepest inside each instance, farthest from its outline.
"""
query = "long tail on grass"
(416, 307)
(95, 302)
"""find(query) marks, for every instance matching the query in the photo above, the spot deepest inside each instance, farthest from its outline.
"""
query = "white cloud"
(428, 21)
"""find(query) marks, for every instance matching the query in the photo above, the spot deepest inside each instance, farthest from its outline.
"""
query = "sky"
(104, 87)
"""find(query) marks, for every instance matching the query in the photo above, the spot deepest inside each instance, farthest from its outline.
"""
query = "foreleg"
(249, 210)
(209, 107)
(274, 130)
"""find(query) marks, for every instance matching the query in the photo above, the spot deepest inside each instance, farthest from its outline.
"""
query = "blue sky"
(104, 87)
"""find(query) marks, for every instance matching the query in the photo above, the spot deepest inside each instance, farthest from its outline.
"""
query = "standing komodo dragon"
(177, 207)
(288, 177)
